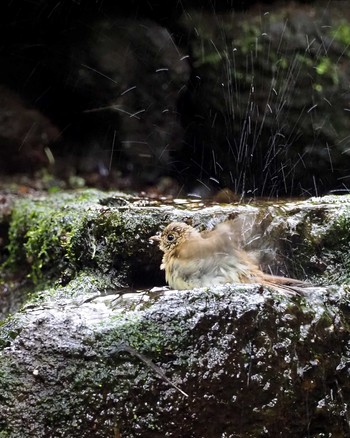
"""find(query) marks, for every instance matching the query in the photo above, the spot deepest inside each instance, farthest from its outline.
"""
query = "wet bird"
(209, 258)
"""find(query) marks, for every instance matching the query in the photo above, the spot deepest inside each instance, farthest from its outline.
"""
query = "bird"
(194, 259)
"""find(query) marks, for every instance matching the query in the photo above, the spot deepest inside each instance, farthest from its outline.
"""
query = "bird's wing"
(206, 245)
(214, 255)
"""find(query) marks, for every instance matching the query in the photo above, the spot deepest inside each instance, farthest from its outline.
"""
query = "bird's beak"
(155, 238)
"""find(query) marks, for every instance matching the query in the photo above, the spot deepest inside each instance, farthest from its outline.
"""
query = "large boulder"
(97, 351)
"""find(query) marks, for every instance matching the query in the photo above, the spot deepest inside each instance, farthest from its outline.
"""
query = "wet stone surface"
(92, 353)
(255, 361)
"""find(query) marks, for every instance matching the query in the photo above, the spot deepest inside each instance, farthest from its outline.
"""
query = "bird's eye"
(170, 237)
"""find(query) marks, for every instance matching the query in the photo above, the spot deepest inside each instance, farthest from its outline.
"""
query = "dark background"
(241, 96)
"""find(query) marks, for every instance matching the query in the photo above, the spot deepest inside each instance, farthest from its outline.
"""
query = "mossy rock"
(241, 355)
(88, 355)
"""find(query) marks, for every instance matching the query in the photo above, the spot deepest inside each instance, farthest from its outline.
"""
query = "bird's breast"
(217, 269)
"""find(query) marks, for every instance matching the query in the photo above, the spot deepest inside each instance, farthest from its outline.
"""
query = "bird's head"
(173, 235)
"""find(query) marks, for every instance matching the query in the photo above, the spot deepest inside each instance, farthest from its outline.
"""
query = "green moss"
(9, 330)
(326, 67)
(86, 283)
(105, 242)
(144, 335)
(339, 233)
(342, 33)
(41, 232)
(64, 236)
